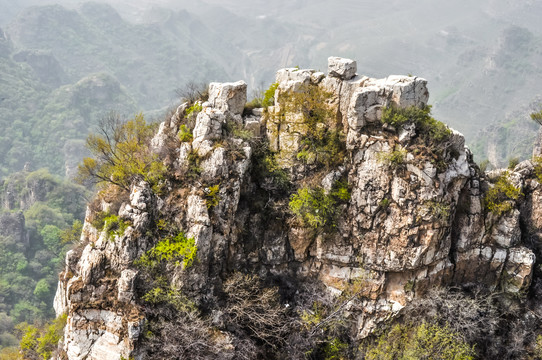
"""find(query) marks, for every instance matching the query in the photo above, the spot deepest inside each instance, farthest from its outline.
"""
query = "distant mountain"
(62, 70)
(481, 64)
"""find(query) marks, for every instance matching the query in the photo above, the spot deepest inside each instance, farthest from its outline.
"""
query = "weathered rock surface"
(230, 97)
(418, 225)
(344, 69)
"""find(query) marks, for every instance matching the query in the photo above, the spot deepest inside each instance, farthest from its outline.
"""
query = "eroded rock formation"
(412, 226)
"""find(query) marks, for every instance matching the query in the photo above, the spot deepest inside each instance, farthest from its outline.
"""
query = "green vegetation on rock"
(212, 197)
(316, 208)
(112, 224)
(178, 249)
(425, 123)
(537, 162)
(185, 135)
(393, 158)
(121, 154)
(424, 341)
(323, 143)
(501, 197)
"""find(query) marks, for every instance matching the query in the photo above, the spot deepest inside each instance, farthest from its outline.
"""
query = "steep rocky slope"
(413, 218)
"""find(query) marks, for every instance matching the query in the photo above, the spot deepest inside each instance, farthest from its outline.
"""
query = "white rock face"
(168, 128)
(230, 97)
(216, 165)
(292, 79)
(94, 335)
(208, 128)
(96, 322)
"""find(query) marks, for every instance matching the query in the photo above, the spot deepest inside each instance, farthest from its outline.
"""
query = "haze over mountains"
(64, 66)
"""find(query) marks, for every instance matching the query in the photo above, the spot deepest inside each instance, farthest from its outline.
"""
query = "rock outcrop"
(412, 224)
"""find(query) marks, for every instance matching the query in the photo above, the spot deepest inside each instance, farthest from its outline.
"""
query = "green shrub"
(321, 141)
(393, 158)
(512, 162)
(171, 296)
(48, 341)
(313, 317)
(262, 99)
(178, 249)
(111, 223)
(194, 109)
(501, 196)
(212, 198)
(269, 95)
(438, 210)
(185, 135)
(29, 341)
(122, 154)
(41, 342)
(425, 341)
(316, 208)
(72, 235)
(538, 347)
(426, 125)
(194, 165)
(237, 130)
(115, 226)
(340, 191)
(335, 349)
(324, 146)
(313, 207)
(267, 171)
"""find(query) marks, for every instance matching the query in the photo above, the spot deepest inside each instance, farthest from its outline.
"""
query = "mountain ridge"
(351, 190)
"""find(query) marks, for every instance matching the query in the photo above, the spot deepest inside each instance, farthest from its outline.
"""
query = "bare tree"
(193, 91)
(256, 310)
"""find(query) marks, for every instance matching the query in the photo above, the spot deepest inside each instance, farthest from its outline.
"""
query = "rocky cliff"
(415, 213)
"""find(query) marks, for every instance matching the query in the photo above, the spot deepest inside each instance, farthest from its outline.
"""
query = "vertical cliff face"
(414, 218)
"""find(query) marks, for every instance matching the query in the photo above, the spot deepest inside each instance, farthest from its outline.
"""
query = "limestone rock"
(126, 285)
(215, 166)
(408, 91)
(230, 97)
(94, 334)
(344, 69)
(254, 125)
(208, 127)
(518, 269)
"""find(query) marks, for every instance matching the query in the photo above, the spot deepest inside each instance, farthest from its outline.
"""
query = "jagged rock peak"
(414, 217)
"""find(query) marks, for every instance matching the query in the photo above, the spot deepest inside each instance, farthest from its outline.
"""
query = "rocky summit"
(343, 180)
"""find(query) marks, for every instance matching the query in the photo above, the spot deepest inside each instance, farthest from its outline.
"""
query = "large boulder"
(230, 97)
(344, 69)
